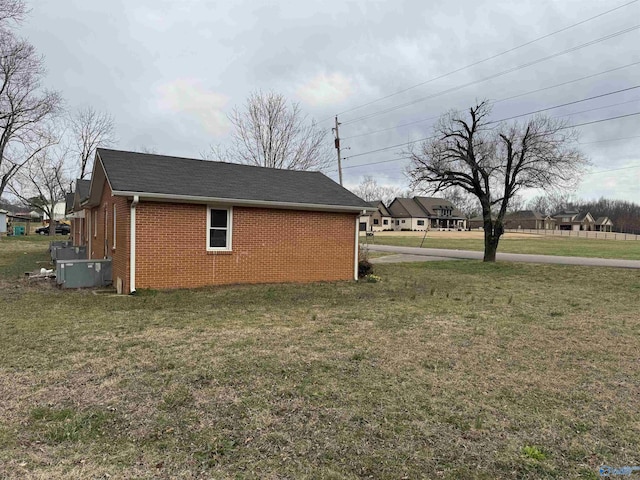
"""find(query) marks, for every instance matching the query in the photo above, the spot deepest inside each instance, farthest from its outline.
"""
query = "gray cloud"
(170, 71)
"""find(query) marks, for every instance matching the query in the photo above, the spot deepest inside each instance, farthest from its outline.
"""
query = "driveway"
(415, 254)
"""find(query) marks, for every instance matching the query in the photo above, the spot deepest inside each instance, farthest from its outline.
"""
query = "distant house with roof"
(530, 220)
(603, 224)
(377, 220)
(423, 213)
(169, 222)
(76, 213)
(574, 220)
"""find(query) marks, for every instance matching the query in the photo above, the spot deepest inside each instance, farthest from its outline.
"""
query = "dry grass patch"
(441, 370)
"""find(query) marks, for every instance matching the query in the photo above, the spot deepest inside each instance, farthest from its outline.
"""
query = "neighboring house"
(603, 224)
(423, 213)
(408, 215)
(442, 213)
(378, 220)
(58, 211)
(574, 220)
(170, 222)
(79, 233)
(530, 220)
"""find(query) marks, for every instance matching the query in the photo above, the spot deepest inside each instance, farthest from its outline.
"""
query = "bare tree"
(90, 129)
(24, 107)
(43, 183)
(12, 10)
(370, 191)
(495, 162)
(271, 133)
(464, 201)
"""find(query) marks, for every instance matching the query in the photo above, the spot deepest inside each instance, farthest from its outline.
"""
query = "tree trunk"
(492, 232)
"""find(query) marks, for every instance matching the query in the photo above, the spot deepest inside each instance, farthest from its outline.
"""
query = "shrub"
(364, 268)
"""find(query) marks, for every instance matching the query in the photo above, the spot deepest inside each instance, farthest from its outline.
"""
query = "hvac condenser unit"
(83, 273)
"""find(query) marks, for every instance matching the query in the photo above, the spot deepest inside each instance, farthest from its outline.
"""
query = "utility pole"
(337, 143)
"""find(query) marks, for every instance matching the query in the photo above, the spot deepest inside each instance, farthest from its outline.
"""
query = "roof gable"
(406, 207)
(130, 173)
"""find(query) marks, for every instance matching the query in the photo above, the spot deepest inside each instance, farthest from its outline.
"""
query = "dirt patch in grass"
(441, 370)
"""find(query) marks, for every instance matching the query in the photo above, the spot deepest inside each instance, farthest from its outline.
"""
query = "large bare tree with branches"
(90, 129)
(269, 132)
(43, 182)
(25, 107)
(494, 162)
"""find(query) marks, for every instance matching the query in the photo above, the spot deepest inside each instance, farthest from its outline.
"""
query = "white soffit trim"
(243, 202)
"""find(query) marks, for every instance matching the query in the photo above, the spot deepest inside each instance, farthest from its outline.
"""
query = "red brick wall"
(104, 232)
(269, 246)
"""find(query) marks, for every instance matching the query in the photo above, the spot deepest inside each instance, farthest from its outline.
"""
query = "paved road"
(414, 254)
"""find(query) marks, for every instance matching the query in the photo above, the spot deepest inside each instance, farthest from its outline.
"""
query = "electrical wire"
(501, 120)
(495, 75)
(497, 101)
(492, 57)
(398, 159)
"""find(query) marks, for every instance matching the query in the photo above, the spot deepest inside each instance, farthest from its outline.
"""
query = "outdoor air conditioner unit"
(83, 273)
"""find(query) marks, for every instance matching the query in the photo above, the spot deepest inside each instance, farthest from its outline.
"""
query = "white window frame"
(95, 222)
(114, 227)
(229, 228)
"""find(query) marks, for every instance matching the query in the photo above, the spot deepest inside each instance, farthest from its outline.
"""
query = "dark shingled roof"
(379, 204)
(431, 204)
(162, 175)
(68, 200)
(82, 187)
(406, 207)
(525, 215)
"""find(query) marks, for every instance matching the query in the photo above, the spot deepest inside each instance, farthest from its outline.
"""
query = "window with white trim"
(219, 222)
(114, 226)
(421, 223)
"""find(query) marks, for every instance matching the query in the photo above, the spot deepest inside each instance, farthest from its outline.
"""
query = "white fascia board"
(243, 202)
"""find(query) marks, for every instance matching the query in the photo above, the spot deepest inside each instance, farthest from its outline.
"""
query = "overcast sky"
(170, 71)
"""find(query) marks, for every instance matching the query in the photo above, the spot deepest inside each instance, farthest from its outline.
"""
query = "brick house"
(76, 213)
(169, 222)
(529, 219)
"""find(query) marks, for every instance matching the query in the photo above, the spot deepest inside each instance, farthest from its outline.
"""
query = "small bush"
(364, 268)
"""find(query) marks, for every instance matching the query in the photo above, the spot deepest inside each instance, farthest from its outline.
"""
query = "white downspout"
(132, 246)
(357, 248)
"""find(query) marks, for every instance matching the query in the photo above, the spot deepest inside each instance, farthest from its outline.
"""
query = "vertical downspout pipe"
(132, 246)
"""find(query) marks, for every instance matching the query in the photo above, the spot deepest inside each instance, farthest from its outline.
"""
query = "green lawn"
(442, 370)
(573, 247)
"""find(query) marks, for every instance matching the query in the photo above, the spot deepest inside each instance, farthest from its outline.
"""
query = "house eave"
(159, 197)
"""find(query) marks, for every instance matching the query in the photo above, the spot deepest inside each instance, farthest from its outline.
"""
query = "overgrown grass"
(441, 370)
(24, 254)
(542, 245)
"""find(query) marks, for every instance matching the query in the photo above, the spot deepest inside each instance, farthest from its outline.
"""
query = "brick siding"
(268, 245)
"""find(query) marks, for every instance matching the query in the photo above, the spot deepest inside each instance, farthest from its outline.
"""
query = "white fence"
(577, 234)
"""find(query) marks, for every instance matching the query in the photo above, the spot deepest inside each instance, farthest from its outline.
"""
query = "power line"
(397, 159)
(498, 101)
(600, 121)
(498, 121)
(567, 104)
(598, 108)
(488, 58)
(496, 75)
(612, 169)
(609, 140)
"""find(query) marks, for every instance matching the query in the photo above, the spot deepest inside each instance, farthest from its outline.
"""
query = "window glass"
(218, 218)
